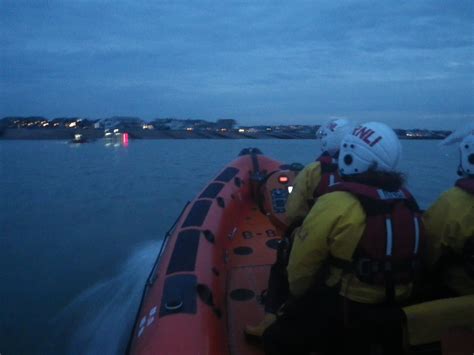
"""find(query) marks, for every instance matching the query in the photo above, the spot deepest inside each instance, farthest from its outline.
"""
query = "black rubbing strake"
(197, 214)
(209, 236)
(212, 190)
(220, 202)
(179, 295)
(227, 174)
(205, 294)
(237, 181)
(184, 252)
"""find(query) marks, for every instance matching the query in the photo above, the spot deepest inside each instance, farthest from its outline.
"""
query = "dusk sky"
(407, 63)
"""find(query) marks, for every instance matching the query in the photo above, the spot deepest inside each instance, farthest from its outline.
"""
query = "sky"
(407, 63)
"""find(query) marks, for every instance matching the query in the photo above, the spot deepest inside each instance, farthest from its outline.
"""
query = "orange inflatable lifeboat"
(215, 263)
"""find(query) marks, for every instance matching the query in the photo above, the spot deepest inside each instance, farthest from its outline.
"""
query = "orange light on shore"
(125, 139)
(283, 179)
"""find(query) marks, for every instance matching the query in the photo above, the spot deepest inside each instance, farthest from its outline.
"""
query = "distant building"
(225, 124)
(121, 123)
(65, 122)
(25, 122)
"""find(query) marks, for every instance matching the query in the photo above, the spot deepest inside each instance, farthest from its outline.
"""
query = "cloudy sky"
(408, 63)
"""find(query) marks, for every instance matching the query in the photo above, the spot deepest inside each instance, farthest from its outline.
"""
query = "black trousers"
(325, 322)
(278, 288)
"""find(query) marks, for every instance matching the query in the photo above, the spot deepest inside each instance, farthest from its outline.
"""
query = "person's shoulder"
(339, 200)
(455, 194)
(339, 204)
(313, 168)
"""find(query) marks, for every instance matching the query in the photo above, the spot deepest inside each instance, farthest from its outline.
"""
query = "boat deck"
(252, 251)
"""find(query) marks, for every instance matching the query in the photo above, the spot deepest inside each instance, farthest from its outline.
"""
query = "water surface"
(81, 225)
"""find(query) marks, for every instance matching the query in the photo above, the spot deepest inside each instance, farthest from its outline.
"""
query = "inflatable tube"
(214, 263)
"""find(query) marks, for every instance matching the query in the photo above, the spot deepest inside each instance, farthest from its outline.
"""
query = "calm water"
(80, 226)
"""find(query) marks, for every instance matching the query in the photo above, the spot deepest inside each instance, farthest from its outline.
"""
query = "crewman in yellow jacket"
(356, 250)
(449, 226)
(316, 178)
(311, 183)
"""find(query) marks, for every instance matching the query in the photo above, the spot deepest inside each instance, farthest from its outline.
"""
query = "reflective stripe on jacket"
(334, 226)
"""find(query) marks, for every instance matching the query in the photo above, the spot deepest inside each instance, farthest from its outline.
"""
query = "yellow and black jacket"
(449, 225)
(312, 182)
(334, 228)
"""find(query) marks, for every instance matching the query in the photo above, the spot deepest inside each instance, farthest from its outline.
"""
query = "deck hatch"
(212, 190)
(179, 295)
(184, 252)
(242, 294)
(227, 174)
(197, 214)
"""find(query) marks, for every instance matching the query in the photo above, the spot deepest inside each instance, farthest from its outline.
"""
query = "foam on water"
(100, 319)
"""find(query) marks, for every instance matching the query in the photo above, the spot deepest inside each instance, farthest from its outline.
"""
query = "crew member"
(357, 249)
(450, 228)
(311, 182)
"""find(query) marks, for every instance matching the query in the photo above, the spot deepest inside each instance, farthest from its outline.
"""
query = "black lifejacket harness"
(388, 253)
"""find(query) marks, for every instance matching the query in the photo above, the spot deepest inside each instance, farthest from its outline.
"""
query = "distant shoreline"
(91, 134)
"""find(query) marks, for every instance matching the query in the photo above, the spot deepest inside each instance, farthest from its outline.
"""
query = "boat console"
(274, 192)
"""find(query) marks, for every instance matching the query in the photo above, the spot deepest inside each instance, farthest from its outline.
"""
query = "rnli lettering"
(391, 195)
(365, 134)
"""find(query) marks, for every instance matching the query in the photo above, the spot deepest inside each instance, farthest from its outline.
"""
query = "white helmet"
(466, 167)
(331, 134)
(371, 145)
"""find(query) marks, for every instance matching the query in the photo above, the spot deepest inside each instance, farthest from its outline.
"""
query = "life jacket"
(329, 175)
(466, 184)
(388, 252)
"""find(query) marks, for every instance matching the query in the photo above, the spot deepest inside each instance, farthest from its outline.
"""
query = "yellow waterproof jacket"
(334, 226)
(449, 223)
(301, 198)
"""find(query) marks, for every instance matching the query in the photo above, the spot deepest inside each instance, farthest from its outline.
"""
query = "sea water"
(80, 227)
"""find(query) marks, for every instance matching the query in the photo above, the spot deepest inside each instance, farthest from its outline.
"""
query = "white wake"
(100, 319)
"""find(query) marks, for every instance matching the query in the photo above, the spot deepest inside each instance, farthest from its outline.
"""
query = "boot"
(256, 331)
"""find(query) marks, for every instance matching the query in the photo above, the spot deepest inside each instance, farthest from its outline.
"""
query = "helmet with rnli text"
(332, 132)
(466, 166)
(372, 145)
